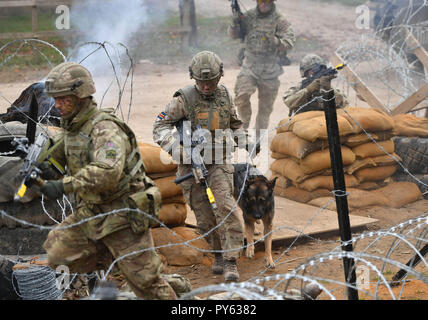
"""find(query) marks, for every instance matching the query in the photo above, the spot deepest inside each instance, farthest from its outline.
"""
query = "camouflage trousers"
(228, 236)
(72, 247)
(245, 86)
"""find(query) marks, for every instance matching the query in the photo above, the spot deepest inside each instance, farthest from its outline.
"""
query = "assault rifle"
(30, 172)
(321, 70)
(236, 10)
(199, 170)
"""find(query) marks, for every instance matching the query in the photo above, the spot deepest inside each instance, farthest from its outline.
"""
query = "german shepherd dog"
(256, 203)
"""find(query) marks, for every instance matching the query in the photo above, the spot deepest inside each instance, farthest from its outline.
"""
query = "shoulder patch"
(161, 115)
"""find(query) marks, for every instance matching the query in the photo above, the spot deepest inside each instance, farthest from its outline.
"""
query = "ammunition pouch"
(148, 201)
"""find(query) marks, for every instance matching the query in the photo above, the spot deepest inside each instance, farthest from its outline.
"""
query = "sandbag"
(370, 185)
(361, 138)
(290, 144)
(395, 195)
(276, 155)
(375, 174)
(175, 199)
(399, 194)
(155, 159)
(289, 169)
(167, 187)
(159, 175)
(191, 233)
(320, 160)
(372, 149)
(172, 214)
(178, 255)
(299, 195)
(292, 193)
(315, 128)
(281, 181)
(288, 123)
(410, 125)
(362, 198)
(370, 119)
(371, 162)
(356, 199)
(325, 182)
(326, 203)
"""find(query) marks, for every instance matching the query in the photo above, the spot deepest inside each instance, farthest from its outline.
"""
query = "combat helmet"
(69, 78)
(308, 62)
(206, 65)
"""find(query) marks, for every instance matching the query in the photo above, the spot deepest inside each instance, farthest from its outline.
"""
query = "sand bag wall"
(162, 170)
(302, 158)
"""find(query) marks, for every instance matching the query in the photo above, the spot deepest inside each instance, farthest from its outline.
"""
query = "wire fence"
(376, 253)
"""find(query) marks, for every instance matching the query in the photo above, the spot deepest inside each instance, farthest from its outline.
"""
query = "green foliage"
(30, 55)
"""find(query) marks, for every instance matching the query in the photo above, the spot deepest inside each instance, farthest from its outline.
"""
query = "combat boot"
(218, 265)
(231, 270)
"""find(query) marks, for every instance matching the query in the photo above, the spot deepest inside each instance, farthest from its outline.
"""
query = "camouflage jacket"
(266, 37)
(295, 97)
(190, 105)
(102, 166)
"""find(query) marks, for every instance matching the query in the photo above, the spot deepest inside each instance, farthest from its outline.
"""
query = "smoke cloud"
(112, 22)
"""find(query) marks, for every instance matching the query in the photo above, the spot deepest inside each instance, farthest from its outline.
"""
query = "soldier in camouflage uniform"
(300, 100)
(267, 38)
(105, 172)
(209, 105)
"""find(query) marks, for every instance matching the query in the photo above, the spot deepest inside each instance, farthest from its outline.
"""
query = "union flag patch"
(161, 115)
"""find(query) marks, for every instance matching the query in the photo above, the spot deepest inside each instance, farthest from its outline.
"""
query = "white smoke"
(114, 23)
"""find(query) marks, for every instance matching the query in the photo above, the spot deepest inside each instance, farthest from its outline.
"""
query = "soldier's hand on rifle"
(325, 82)
(53, 189)
(314, 86)
(48, 172)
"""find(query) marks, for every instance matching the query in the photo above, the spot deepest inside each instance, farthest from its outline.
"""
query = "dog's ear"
(272, 183)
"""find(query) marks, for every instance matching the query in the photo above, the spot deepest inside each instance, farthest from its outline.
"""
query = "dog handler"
(208, 104)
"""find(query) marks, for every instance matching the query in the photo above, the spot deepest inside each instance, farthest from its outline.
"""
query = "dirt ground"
(153, 88)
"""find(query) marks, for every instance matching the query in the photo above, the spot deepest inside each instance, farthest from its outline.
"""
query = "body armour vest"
(214, 111)
(213, 114)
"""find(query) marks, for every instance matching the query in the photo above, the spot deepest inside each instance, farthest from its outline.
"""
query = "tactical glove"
(314, 86)
(325, 82)
(53, 189)
(48, 173)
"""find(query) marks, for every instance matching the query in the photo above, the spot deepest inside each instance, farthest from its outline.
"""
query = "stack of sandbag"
(302, 158)
(161, 168)
(410, 125)
(372, 145)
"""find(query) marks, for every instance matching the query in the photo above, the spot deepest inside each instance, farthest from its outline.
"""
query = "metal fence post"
(340, 190)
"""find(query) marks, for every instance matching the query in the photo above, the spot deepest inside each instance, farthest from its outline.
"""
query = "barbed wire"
(251, 289)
